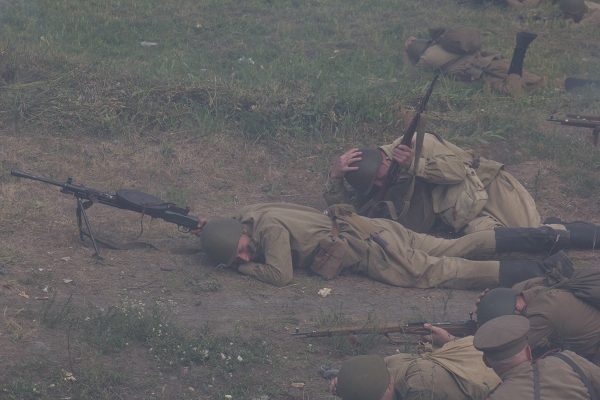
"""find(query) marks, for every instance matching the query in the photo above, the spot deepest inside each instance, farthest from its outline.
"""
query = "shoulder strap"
(536, 381)
(584, 378)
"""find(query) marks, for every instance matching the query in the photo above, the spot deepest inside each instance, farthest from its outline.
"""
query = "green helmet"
(362, 178)
(416, 49)
(220, 237)
(363, 378)
(573, 8)
(495, 303)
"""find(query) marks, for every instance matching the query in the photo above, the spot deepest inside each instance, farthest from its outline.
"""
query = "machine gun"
(581, 121)
(126, 199)
(460, 329)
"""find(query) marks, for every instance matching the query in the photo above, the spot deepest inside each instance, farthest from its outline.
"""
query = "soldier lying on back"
(267, 241)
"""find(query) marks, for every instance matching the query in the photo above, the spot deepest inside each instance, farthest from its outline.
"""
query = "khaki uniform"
(557, 380)
(447, 188)
(453, 372)
(490, 67)
(288, 236)
(559, 319)
(592, 16)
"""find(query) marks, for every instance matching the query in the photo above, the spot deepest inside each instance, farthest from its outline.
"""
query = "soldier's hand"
(342, 164)
(403, 155)
(333, 385)
(438, 337)
(198, 230)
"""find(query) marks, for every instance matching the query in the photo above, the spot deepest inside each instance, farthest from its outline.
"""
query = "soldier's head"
(414, 48)
(574, 9)
(364, 378)
(226, 241)
(495, 303)
(503, 341)
(372, 171)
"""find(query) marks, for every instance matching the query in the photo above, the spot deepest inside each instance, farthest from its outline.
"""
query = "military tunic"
(288, 236)
(453, 372)
(559, 319)
(441, 167)
(558, 381)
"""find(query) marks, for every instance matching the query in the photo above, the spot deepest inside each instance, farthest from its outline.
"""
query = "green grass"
(332, 71)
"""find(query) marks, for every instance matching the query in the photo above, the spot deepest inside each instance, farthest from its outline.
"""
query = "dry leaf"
(67, 280)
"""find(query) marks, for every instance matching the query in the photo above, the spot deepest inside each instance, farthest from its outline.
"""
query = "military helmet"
(573, 8)
(495, 303)
(416, 49)
(363, 378)
(362, 178)
(220, 237)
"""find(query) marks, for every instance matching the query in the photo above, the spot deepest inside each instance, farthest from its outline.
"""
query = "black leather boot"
(555, 267)
(583, 235)
(515, 271)
(530, 240)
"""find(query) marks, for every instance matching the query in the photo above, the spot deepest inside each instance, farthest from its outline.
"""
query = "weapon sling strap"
(536, 381)
(418, 151)
(584, 378)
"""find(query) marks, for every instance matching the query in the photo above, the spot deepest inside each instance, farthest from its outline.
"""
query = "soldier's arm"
(539, 332)
(438, 164)
(277, 268)
(335, 191)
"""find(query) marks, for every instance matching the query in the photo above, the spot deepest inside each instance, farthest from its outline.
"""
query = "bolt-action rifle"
(126, 199)
(581, 121)
(409, 133)
(460, 329)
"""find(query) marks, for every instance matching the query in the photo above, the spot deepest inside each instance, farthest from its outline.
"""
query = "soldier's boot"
(531, 240)
(584, 235)
(555, 267)
(524, 39)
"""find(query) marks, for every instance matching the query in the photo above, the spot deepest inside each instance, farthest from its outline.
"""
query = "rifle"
(410, 130)
(126, 199)
(580, 121)
(461, 329)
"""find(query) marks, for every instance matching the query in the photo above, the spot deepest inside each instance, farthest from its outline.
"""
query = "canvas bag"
(584, 284)
(459, 40)
(461, 202)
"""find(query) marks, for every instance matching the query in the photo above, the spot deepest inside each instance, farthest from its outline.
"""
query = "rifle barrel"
(588, 117)
(21, 174)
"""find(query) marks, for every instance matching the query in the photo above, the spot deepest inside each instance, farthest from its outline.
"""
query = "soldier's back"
(557, 380)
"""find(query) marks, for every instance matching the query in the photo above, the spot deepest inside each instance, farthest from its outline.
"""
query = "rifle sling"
(584, 378)
(418, 151)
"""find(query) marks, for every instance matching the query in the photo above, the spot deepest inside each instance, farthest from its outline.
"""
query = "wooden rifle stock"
(461, 329)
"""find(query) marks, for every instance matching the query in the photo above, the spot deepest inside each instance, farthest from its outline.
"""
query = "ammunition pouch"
(329, 258)
(461, 202)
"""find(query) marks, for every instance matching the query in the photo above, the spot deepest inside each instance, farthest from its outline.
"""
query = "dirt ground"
(41, 256)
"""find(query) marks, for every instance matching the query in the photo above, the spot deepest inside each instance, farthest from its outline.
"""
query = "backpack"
(584, 284)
